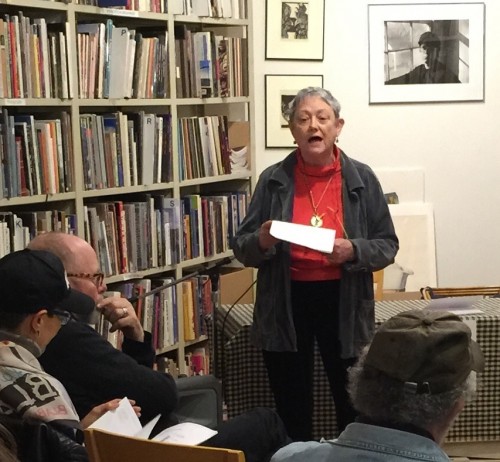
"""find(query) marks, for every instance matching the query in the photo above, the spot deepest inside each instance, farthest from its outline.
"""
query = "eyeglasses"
(96, 278)
(64, 316)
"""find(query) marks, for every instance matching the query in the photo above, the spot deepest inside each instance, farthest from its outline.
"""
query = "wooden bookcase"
(77, 198)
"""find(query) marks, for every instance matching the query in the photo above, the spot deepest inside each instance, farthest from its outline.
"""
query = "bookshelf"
(99, 128)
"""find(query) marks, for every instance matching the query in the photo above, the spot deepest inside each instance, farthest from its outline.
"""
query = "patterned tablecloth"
(246, 384)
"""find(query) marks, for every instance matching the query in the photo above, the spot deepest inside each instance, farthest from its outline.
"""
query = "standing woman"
(302, 294)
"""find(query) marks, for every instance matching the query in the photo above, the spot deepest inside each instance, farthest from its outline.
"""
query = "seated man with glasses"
(35, 302)
(90, 368)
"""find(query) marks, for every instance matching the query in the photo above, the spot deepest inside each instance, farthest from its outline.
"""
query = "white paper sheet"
(456, 305)
(185, 433)
(124, 421)
(321, 239)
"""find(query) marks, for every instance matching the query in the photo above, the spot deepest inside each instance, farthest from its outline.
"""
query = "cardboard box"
(397, 295)
(233, 282)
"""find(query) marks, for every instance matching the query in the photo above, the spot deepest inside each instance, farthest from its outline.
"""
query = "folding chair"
(109, 447)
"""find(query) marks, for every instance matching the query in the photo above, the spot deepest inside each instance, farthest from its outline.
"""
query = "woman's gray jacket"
(369, 227)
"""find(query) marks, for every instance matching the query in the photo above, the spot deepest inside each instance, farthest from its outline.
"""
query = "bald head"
(79, 260)
(69, 248)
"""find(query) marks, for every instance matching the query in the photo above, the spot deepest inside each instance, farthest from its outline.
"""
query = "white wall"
(456, 144)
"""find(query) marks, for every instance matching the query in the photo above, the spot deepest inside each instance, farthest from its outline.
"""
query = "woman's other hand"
(343, 251)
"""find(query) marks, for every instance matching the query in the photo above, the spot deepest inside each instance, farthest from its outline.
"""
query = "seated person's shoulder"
(302, 451)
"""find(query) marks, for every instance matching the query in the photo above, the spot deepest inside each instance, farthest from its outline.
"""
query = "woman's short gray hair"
(382, 398)
(325, 95)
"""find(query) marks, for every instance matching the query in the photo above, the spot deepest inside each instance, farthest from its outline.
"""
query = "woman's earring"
(336, 139)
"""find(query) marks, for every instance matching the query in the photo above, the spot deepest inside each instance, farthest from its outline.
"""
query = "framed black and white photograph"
(280, 91)
(294, 30)
(426, 52)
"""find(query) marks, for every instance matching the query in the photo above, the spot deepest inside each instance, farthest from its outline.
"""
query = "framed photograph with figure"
(426, 52)
(280, 91)
(294, 30)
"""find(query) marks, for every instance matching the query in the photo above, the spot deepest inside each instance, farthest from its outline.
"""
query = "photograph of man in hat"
(433, 70)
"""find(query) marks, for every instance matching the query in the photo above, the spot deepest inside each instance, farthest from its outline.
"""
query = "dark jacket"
(369, 227)
(39, 441)
(94, 372)
(440, 74)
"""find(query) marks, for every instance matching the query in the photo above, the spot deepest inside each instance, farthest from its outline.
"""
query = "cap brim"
(78, 303)
(477, 357)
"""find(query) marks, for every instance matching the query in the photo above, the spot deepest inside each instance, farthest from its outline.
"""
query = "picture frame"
(295, 29)
(279, 93)
(426, 52)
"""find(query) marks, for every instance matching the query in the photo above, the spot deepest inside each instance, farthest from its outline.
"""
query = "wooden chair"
(378, 285)
(109, 447)
(429, 293)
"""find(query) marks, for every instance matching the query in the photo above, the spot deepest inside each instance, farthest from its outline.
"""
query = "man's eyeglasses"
(96, 278)
(64, 316)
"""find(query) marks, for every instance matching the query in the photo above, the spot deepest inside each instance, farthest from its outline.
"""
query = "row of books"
(35, 155)
(118, 62)
(236, 9)
(162, 231)
(33, 59)
(17, 229)
(158, 312)
(209, 222)
(209, 65)
(197, 306)
(203, 147)
(134, 236)
(126, 150)
(212, 8)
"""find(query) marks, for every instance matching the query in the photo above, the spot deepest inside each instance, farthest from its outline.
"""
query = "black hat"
(429, 39)
(32, 280)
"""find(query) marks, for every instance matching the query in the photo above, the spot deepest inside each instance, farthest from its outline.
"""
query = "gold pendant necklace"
(316, 219)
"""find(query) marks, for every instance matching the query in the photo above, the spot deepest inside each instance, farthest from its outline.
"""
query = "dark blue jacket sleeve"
(94, 372)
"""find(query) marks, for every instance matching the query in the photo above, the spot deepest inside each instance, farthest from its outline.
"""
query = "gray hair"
(382, 398)
(325, 95)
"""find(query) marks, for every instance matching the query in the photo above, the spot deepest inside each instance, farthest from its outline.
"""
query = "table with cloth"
(246, 385)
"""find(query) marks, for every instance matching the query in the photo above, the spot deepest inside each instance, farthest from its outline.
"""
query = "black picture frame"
(295, 30)
(280, 90)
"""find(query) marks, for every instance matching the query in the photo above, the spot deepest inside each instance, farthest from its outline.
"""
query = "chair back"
(109, 447)
(430, 293)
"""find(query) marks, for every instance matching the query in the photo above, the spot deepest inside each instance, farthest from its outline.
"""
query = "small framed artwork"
(280, 91)
(426, 52)
(294, 30)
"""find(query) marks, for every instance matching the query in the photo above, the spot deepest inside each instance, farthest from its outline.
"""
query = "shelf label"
(15, 102)
(116, 12)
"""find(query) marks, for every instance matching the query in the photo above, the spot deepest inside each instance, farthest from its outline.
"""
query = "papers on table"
(124, 421)
(321, 239)
(456, 305)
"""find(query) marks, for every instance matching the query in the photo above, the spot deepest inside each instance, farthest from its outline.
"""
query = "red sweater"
(325, 185)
